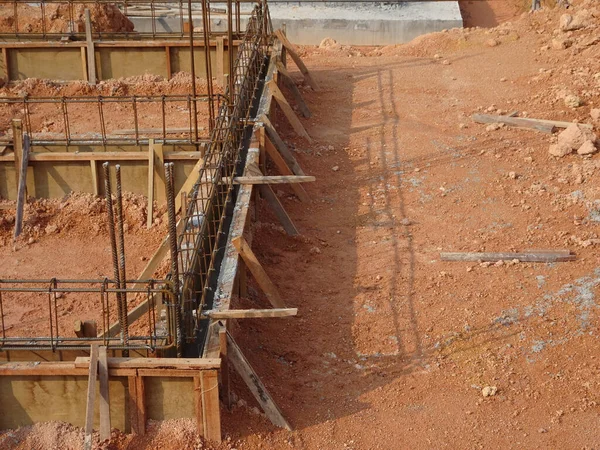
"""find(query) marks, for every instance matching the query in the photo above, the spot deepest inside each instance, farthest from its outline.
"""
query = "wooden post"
(168, 61)
(84, 67)
(242, 280)
(198, 404)
(258, 272)
(159, 164)
(137, 405)
(104, 395)
(6, 67)
(285, 220)
(210, 405)
(150, 218)
(91, 54)
(91, 397)
(225, 391)
(220, 57)
(262, 156)
(95, 186)
(289, 82)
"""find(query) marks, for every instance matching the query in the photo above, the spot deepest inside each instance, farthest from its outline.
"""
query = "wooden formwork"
(166, 388)
(113, 59)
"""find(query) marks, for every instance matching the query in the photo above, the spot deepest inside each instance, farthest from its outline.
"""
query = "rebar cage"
(56, 331)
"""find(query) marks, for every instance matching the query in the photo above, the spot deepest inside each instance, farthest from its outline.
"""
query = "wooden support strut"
(533, 256)
(258, 272)
(104, 395)
(288, 111)
(294, 54)
(291, 85)
(280, 146)
(91, 54)
(22, 190)
(274, 179)
(284, 169)
(258, 389)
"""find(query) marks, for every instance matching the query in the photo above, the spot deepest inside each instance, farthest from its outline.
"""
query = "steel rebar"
(170, 188)
(121, 250)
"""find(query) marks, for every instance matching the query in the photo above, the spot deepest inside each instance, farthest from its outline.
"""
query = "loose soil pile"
(105, 18)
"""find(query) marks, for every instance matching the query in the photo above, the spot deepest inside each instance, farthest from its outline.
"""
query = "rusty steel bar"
(121, 251)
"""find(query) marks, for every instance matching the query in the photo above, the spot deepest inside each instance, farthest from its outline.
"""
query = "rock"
(561, 43)
(595, 113)
(587, 148)
(335, 168)
(489, 391)
(572, 101)
(31, 241)
(569, 23)
(51, 229)
(502, 79)
(494, 126)
(512, 175)
(492, 42)
(559, 150)
(574, 136)
(315, 251)
(446, 62)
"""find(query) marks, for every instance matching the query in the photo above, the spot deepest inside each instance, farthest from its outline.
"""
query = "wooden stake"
(91, 58)
(141, 404)
(132, 404)
(91, 397)
(225, 382)
(104, 395)
(258, 272)
(22, 190)
(258, 389)
(84, 68)
(151, 170)
(168, 59)
(6, 67)
(198, 404)
(289, 82)
(292, 51)
(250, 313)
(17, 129)
(288, 111)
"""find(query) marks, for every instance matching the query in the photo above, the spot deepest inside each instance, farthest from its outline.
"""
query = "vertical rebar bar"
(121, 250)
(113, 244)
(209, 83)
(193, 70)
(170, 188)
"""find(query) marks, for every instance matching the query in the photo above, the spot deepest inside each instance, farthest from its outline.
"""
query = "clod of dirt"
(489, 391)
(587, 148)
(595, 113)
(329, 44)
(561, 43)
(574, 136)
(572, 101)
(559, 150)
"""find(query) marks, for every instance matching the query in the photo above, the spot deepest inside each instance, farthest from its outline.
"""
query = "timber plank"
(294, 54)
(91, 397)
(251, 313)
(155, 363)
(104, 395)
(288, 111)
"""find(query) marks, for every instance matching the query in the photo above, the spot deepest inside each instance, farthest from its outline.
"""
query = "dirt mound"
(105, 18)
(77, 214)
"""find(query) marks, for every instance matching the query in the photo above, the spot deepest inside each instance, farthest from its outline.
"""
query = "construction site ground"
(393, 348)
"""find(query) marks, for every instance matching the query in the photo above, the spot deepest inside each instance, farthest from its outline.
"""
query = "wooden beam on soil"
(258, 272)
(256, 386)
(545, 126)
(91, 397)
(291, 85)
(294, 54)
(288, 111)
(251, 313)
(542, 256)
(274, 179)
